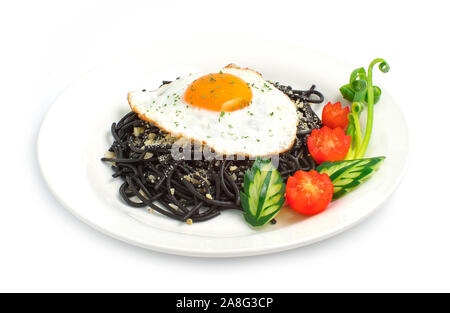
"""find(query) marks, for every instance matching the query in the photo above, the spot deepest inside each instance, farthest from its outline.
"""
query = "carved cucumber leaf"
(348, 175)
(263, 194)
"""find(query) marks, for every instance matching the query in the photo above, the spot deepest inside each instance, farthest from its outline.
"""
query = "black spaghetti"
(194, 190)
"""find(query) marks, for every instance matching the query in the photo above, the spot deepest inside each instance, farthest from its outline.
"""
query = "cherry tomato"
(333, 115)
(310, 192)
(328, 144)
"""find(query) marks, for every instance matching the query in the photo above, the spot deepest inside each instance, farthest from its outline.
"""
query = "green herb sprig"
(361, 92)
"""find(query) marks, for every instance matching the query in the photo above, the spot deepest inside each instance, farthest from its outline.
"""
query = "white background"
(45, 45)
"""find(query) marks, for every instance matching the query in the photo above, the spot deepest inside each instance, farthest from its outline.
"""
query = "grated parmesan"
(148, 155)
(138, 130)
(173, 206)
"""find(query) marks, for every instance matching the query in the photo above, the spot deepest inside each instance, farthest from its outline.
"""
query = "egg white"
(268, 126)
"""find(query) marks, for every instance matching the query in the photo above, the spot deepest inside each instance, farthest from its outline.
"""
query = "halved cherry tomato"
(310, 192)
(328, 144)
(333, 115)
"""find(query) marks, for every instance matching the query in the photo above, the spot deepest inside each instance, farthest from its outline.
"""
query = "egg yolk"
(221, 92)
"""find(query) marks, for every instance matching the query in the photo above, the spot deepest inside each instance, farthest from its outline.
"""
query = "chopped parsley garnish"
(267, 86)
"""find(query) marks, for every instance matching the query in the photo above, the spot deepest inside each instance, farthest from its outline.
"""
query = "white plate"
(75, 135)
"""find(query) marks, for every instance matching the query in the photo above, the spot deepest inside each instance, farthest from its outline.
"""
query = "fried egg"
(233, 110)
